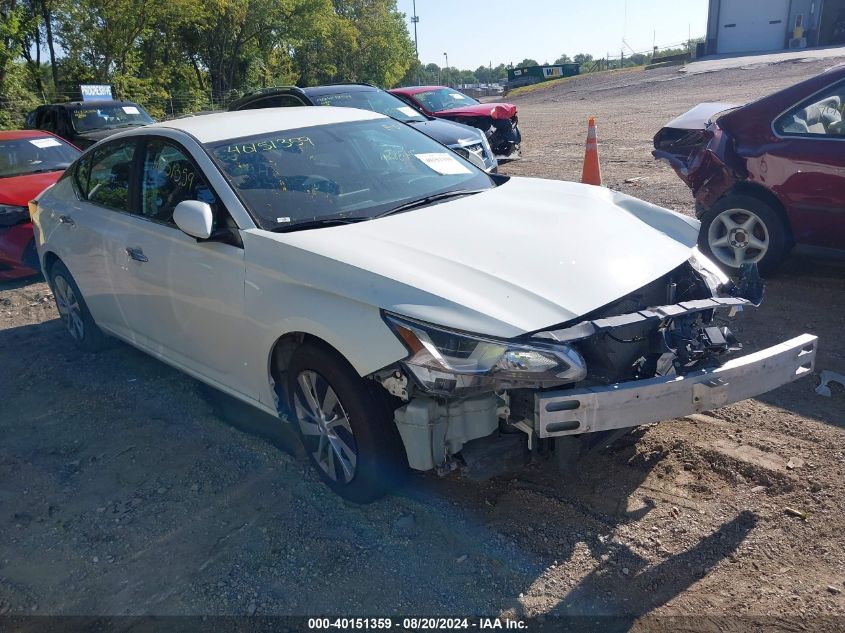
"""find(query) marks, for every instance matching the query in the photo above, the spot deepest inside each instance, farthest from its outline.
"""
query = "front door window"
(169, 178)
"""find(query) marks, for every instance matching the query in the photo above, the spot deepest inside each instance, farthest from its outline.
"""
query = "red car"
(767, 176)
(498, 121)
(30, 161)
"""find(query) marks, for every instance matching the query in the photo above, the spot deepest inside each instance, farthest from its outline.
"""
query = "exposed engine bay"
(665, 343)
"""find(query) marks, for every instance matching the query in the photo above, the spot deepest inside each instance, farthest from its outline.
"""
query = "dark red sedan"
(767, 176)
(30, 161)
(498, 121)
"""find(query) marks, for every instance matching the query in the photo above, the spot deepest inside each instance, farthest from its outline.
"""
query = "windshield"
(349, 171)
(443, 99)
(34, 155)
(88, 119)
(374, 100)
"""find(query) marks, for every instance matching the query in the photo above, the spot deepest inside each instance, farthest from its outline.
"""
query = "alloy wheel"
(69, 309)
(738, 236)
(325, 427)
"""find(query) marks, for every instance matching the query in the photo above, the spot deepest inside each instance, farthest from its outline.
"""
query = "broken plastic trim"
(586, 329)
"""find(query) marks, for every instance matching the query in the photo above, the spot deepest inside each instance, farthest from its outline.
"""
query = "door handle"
(137, 254)
(66, 219)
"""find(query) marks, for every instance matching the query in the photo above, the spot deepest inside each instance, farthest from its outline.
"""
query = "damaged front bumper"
(603, 408)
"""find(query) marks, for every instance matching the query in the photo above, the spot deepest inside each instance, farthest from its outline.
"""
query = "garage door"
(752, 25)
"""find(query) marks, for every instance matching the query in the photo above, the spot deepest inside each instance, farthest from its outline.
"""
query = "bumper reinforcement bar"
(592, 409)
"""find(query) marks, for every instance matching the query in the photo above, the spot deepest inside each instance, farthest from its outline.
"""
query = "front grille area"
(476, 149)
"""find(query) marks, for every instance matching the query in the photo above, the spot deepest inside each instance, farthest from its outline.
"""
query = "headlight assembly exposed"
(710, 272)
(447, 362)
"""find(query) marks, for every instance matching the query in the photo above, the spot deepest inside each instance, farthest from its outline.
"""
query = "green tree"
(368, 42)
(12, 25)
(527, 62)
(563, 59)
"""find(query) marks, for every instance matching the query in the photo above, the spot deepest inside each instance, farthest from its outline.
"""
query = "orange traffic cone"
(591, 174)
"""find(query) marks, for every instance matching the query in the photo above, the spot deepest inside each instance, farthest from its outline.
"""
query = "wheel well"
(50, 258)
(280, 356)
(761, 193)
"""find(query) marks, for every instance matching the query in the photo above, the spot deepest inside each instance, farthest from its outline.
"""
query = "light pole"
(415, 20)
(446, 55)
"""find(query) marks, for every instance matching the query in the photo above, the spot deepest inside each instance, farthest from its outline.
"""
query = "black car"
(463, 139)
(83, 123)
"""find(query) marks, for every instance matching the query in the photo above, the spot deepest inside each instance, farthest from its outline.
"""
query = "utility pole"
(415, 20)
(448, 74)
(490, 77)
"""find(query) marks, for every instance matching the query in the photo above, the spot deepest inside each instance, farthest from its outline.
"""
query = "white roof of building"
(211, 128)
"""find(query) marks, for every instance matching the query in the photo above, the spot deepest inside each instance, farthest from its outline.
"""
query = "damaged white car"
(398, 305)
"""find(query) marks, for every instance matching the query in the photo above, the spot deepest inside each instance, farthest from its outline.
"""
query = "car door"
(187, 299)
(806, 168)
(91, 231)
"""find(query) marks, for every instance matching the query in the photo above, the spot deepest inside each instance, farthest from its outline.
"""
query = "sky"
(476, 32)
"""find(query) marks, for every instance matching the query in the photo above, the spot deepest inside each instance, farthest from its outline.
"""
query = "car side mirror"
(194, 218)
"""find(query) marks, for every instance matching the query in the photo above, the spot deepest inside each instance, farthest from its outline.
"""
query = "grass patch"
(546, 85)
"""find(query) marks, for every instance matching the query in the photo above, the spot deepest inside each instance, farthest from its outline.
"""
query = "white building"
(749, 26)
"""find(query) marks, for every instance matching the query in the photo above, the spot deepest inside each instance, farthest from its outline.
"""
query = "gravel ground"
(128, 488)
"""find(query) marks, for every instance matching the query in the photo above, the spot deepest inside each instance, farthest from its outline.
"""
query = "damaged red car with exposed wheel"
(498, 121)
(767, 177)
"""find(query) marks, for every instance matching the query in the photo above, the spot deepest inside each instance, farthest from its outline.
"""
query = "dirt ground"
(128, 488)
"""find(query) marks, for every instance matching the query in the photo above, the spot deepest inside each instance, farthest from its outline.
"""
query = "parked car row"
(463, 139)
(81, 124)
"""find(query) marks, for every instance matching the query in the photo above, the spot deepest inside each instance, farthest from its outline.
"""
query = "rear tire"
(73, 311)
(345, 424)
(741, 229)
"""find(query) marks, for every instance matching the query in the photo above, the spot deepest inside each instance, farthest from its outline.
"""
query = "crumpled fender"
(709, 172)
(675, 163)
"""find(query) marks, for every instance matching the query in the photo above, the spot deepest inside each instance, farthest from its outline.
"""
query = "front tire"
(345, 424)
(741, 229)
(73, 311)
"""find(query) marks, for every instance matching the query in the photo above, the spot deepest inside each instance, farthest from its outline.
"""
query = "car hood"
(522, 257)
(447, 132)
(481, 109)
(699, 117)
(19, 190)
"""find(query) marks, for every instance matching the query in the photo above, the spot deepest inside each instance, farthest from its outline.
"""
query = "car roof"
(13, 135)
(412, 90)
(332, 89)
(210, 128)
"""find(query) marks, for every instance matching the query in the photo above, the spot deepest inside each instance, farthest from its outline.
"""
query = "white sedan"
(401, 307)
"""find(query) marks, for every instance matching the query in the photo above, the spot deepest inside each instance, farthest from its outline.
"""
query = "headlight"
(446, 362)
(712, 274)
(10, 214)
(488, 153)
